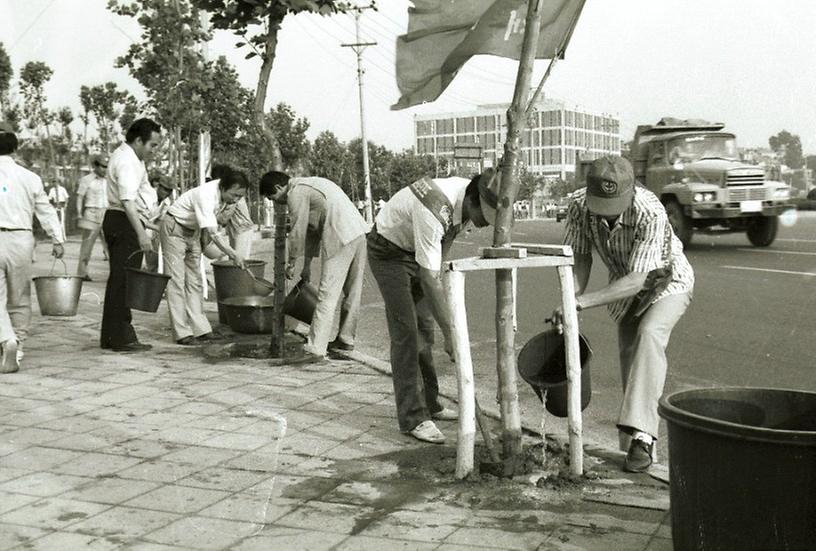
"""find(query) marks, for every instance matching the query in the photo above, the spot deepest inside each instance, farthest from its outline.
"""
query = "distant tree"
(6, 73)
(130, 110)
(85, 116)
(65, 117)
(33, 77)
(791, 145)
(257, 22)
(408, 167)
(329, 159)
(107, 102)
(379, 163)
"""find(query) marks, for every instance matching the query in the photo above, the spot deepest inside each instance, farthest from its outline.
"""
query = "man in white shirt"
(92, 201)
(58, 196)
(21, 198)
(411, 237)
(125, 232)
(192, 214)
(324, 222)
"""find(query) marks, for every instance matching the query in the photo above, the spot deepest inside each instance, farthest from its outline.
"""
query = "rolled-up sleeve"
(46, 213)
(576, 231)
(647, 249)
(204, 208)
(428, 234)
(128, 179)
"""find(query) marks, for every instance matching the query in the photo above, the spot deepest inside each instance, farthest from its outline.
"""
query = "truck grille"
(746, 194)
(745, 179)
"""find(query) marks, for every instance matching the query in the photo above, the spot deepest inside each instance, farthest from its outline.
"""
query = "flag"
(443, 34)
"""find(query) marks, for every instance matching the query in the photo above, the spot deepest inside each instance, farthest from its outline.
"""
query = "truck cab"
(694, 168)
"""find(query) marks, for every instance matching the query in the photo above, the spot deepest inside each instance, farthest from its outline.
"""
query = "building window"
(424, 128)
(444, 126)
(464, 124)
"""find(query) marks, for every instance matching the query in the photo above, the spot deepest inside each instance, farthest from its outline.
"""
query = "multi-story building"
(556, 136)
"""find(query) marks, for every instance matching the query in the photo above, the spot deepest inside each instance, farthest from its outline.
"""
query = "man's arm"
(432, 287)
(208, 234)
(49, 220)
(145, 243)
(581, 270)
(625, 287)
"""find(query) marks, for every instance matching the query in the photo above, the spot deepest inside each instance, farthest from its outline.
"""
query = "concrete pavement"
(176, 450)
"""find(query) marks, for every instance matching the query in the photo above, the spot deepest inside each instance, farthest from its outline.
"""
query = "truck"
(693, 166)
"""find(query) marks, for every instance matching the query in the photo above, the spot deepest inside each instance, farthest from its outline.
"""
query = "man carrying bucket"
(125, 232)
(650, 287)
(192, 214)
(21, 197)
(411, 238)
(324, 221)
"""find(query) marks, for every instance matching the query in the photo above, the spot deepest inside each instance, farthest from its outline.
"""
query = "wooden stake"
(543, 428)
(505, 335)
(278, 349)
(455, 288)
(565, 277)
(486, 436)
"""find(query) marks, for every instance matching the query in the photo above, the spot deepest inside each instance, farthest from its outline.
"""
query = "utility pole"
(358, 48)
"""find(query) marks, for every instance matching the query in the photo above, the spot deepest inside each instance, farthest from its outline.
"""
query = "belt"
(15, 229)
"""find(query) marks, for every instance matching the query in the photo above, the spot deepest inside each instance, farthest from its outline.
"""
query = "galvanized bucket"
(58, 295)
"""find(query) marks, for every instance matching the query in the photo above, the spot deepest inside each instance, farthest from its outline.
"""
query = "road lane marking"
(776, 252)
(798, 240)
(747, 268)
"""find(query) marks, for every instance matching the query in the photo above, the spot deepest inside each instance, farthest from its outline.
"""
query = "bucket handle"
(64, 267)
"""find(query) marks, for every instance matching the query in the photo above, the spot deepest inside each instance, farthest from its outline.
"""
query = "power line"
(33, 22)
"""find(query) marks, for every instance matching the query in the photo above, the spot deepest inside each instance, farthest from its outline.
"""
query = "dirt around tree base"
(258, 348)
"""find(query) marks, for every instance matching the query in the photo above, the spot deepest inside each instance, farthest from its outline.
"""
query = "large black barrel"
(742, 468)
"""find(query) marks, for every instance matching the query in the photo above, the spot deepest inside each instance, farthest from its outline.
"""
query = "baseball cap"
(489, 194)
(6, 128)
(610, 186)
(100, 160)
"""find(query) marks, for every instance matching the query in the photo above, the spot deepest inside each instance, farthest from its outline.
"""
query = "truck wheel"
(762, 231)
(680, 222)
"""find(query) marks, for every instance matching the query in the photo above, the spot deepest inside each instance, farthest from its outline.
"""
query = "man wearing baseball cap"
(92, 200)
(21, 198)
(650, 287)
(410, 239)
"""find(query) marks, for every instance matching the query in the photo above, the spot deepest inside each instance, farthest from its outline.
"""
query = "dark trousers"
(122, 243)
(410, 328)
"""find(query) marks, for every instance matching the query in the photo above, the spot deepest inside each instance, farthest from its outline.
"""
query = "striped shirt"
(635, 243)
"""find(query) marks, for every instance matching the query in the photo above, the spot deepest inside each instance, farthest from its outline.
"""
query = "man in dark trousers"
(124, 230)
(406, 248)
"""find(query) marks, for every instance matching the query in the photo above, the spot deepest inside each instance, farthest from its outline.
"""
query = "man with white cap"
(92, 200)
(650, 287)
(411, 237)
(22, 196)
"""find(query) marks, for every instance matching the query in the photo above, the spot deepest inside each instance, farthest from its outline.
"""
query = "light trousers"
(181, 252)
(86, 249)
(16, 251)
(343, 274)
(642, 345)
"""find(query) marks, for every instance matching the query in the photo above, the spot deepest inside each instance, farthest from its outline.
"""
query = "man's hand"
(146, 244)
(449, 349)
(306, 274)
(290, 271)
(57, 250)
(557, 319)
(239, 261)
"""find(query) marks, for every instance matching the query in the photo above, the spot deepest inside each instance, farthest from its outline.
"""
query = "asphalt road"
(752, 321)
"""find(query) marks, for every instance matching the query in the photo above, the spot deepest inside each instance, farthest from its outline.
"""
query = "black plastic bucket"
(543, 364)
(742, 468)
(232, 281)
(144, 289)
(301, 302)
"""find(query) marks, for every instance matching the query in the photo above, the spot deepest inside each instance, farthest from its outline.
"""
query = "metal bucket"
(300, 303)
(543, 364)
(144, 290)
(58, 295)
(232, 281)
(249, 314)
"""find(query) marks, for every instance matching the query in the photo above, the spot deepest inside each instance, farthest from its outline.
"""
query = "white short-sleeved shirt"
(408, 224)
(94, 191)
(127, 178)
(58, 194)
(196, 208)
(22, 197)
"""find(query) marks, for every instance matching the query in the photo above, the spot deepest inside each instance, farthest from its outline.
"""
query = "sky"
(747, 63)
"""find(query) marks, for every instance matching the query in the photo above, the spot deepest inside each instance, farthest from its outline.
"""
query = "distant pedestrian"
(59, 197)
(650, 288)
(124, 230)
(410, 240)
(21, 198)
(194, 213)
(92, 201)
(326, 223)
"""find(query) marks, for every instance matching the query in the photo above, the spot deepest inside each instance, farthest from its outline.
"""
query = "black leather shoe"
(132, 347)
(187, 341)
(337, 344)
(210, 337)
(639, 457)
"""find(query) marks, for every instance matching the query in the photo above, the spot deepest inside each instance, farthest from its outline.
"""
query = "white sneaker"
(8, 357)
(445, 414)
(427, 432)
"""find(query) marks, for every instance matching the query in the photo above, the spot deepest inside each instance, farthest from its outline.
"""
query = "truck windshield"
(695, 148)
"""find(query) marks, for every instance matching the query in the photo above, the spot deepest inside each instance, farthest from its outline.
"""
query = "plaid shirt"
(634, 244)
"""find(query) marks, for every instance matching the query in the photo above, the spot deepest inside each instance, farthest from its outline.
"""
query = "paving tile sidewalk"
(172, 450)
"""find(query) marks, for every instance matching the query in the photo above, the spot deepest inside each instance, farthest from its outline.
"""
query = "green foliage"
(6, 73)
(291, 133)
(33, 77)
(407, 167)
(107, 103)
(791, 144)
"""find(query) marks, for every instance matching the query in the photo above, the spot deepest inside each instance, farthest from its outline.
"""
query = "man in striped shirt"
(650, 287)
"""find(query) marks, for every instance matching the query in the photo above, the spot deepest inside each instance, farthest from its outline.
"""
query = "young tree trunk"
(260, 94)
(505, 335)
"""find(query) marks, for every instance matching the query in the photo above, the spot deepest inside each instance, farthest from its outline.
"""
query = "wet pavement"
(180, 449)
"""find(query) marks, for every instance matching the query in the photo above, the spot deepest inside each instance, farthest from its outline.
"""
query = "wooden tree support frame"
(540, 256)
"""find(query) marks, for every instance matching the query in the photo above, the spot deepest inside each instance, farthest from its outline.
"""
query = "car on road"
(561, 209)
